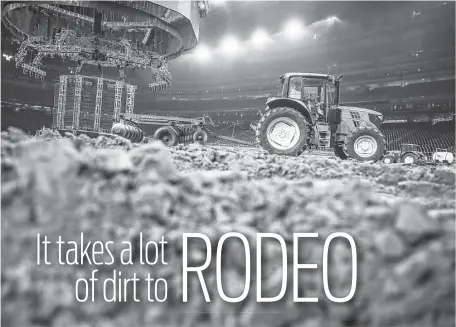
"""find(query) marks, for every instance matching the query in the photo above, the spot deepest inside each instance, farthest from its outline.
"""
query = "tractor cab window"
(410, 147)
(295, 88)
(330, 93)
(313, 90)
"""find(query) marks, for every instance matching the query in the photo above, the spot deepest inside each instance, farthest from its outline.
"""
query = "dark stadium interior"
(228, 163)
(396, 57)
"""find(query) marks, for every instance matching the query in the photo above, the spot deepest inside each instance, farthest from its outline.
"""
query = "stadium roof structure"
(371, 33)
(119, 34)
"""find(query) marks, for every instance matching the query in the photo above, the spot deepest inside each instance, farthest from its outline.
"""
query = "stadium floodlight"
(7, 57)
(229, 46)
(293, 30)
(331, 20)
(202, 53)
(217, 2)
(260, 38)
(201, 5)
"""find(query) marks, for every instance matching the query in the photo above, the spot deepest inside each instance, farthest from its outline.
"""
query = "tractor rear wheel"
(365, 143)
(339, 152)
(410, 158)
(167, 135)
(283, 131)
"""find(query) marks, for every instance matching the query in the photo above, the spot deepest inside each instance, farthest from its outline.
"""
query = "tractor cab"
(410, 148)
(319, 92)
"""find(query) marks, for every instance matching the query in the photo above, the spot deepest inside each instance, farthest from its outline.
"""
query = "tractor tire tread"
(270, 111)
(353, 133)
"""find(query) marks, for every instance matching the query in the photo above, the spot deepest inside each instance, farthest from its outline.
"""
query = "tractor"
(308, 114)
(409, 154)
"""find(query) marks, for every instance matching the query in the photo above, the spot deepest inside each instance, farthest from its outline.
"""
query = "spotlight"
(293, 30)
(331, 20)
(260, 38)
(7, 57)
(217, 2)
(229, 46)
(202, 53)
(201, 5)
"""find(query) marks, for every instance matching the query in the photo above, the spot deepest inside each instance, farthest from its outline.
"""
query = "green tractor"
(410, 154)
(308, 114)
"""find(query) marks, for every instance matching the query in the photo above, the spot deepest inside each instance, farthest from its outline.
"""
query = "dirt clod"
(415, 224)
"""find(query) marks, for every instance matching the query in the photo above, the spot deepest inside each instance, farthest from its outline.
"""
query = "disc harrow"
(171, 130)
(185, 133)
(129, 130)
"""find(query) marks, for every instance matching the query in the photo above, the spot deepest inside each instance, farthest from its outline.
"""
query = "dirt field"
(402, 219)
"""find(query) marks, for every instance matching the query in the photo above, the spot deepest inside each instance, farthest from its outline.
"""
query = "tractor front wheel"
(365, 143)
(283, 131)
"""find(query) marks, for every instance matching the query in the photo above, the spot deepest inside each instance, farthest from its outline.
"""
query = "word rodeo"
(297, 266)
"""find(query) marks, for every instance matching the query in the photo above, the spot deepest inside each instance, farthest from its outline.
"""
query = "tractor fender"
(291, 103)
(347, 125)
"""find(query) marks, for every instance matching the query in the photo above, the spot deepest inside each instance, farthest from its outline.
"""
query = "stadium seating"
(398, 92)
(33, 94)
(28, 120)
(429, 136)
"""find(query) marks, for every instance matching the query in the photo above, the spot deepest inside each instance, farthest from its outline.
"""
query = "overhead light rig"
(104, 34)
(91, 50)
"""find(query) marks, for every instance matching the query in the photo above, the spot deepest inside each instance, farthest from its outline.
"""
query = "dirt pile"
(62, 187)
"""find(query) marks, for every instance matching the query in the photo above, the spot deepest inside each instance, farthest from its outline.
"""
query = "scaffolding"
(118, 99)
(77, 102)
(62, 101)
(87, 103)
(98, 102)
(131, 89)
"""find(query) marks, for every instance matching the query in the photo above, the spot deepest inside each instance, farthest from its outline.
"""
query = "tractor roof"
(309, 75)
